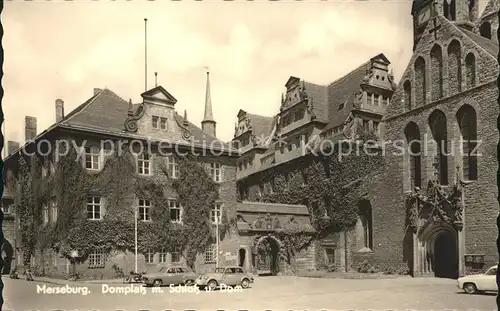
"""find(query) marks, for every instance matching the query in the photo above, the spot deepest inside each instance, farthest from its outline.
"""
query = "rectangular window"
(163, 256)
(376, 129)
(377, 100)
(97, 259)
(92, 158)
(175, 211)
(149, 256)
(144, 210)
(329, 256)
(5, 207)
(299, 115)
(366, 125)
(163, 123)
(93, 208)
(216, 213)
(215, 171)
(155, 120)
(144, 164)
(210, 254)
(54, 210)
(173, 166)
(176, 255)
(45, 214)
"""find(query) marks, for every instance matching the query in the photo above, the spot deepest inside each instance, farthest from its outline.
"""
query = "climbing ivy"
(119, 185)
(329, 184)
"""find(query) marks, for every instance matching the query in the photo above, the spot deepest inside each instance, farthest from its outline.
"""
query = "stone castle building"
(428, 210)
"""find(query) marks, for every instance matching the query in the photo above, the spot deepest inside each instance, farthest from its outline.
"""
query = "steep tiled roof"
(342, 92)
(107, 111)
(261, 125)
(318, 94)
(491, 7)
(489, 45)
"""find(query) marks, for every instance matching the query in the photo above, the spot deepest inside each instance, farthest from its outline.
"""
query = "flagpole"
(145, 54)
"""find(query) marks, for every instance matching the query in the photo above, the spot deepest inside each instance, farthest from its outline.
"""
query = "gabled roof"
(291, 80)
(261, 125)
(488, 45)
(343, 92)
(382, 57)
(159, 93)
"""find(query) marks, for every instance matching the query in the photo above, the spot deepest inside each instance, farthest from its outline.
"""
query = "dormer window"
(299, 115)
(163, 123)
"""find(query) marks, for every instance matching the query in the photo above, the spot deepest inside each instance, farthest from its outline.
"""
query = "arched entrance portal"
(445, 255)
(267, 257)
(439, 251)
(242, 254)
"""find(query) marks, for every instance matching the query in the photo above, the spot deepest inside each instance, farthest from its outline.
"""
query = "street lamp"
(135, 234)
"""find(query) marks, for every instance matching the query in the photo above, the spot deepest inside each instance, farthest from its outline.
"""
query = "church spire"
(208, 123)
(208, 102)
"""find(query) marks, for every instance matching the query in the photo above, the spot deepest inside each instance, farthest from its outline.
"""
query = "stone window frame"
(476, 67)
(216, 211)
(149, 256)
(141, 161)
(96, 157)
(216, 171)
(176, 250)
(94, 206)
(97, 259)
(162, 258)
(210, 254)
(173, 166)
(146, 206)
(174, 204)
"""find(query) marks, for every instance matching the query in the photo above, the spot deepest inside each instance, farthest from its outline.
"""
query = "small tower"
(208, 124)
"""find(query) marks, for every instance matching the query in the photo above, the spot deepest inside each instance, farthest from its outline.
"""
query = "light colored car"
(483, 282)
(170, 276)
(227, 276)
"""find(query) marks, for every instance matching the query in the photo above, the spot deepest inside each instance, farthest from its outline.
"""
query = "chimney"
(59, 110)
(97, 91)
(11, 147)
(29, 128)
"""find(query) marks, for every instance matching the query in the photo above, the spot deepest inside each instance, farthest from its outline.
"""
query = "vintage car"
(476, 283)
(227, 276)
(170, 276)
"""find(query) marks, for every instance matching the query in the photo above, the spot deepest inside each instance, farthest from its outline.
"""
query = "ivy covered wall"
(119, 185)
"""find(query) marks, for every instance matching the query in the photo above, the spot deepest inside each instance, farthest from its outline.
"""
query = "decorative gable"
(295, 93)
(159, 96)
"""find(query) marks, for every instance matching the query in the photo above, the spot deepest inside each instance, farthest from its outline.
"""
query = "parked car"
(170, 276)
(484, 282)
(228, 276)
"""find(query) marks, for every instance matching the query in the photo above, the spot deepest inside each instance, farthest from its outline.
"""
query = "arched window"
(470, 70)
(407, 95)
(365, 227)
(449, 9)
(437, 72)
(454, 67)
(467, 121)
(412, 134)
(420, 82)
(485, 30)
(437, 123)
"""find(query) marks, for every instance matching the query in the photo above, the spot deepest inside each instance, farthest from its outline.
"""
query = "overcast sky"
(64, 50)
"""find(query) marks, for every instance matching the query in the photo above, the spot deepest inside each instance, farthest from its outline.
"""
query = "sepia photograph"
(269, 155)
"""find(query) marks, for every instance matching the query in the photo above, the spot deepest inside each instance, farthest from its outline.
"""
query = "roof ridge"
(87, 103)
(114, 94)
(465, 33)
(349, 74)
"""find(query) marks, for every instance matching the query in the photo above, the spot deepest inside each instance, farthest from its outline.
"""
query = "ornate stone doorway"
(435, 220)
(267, 255)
